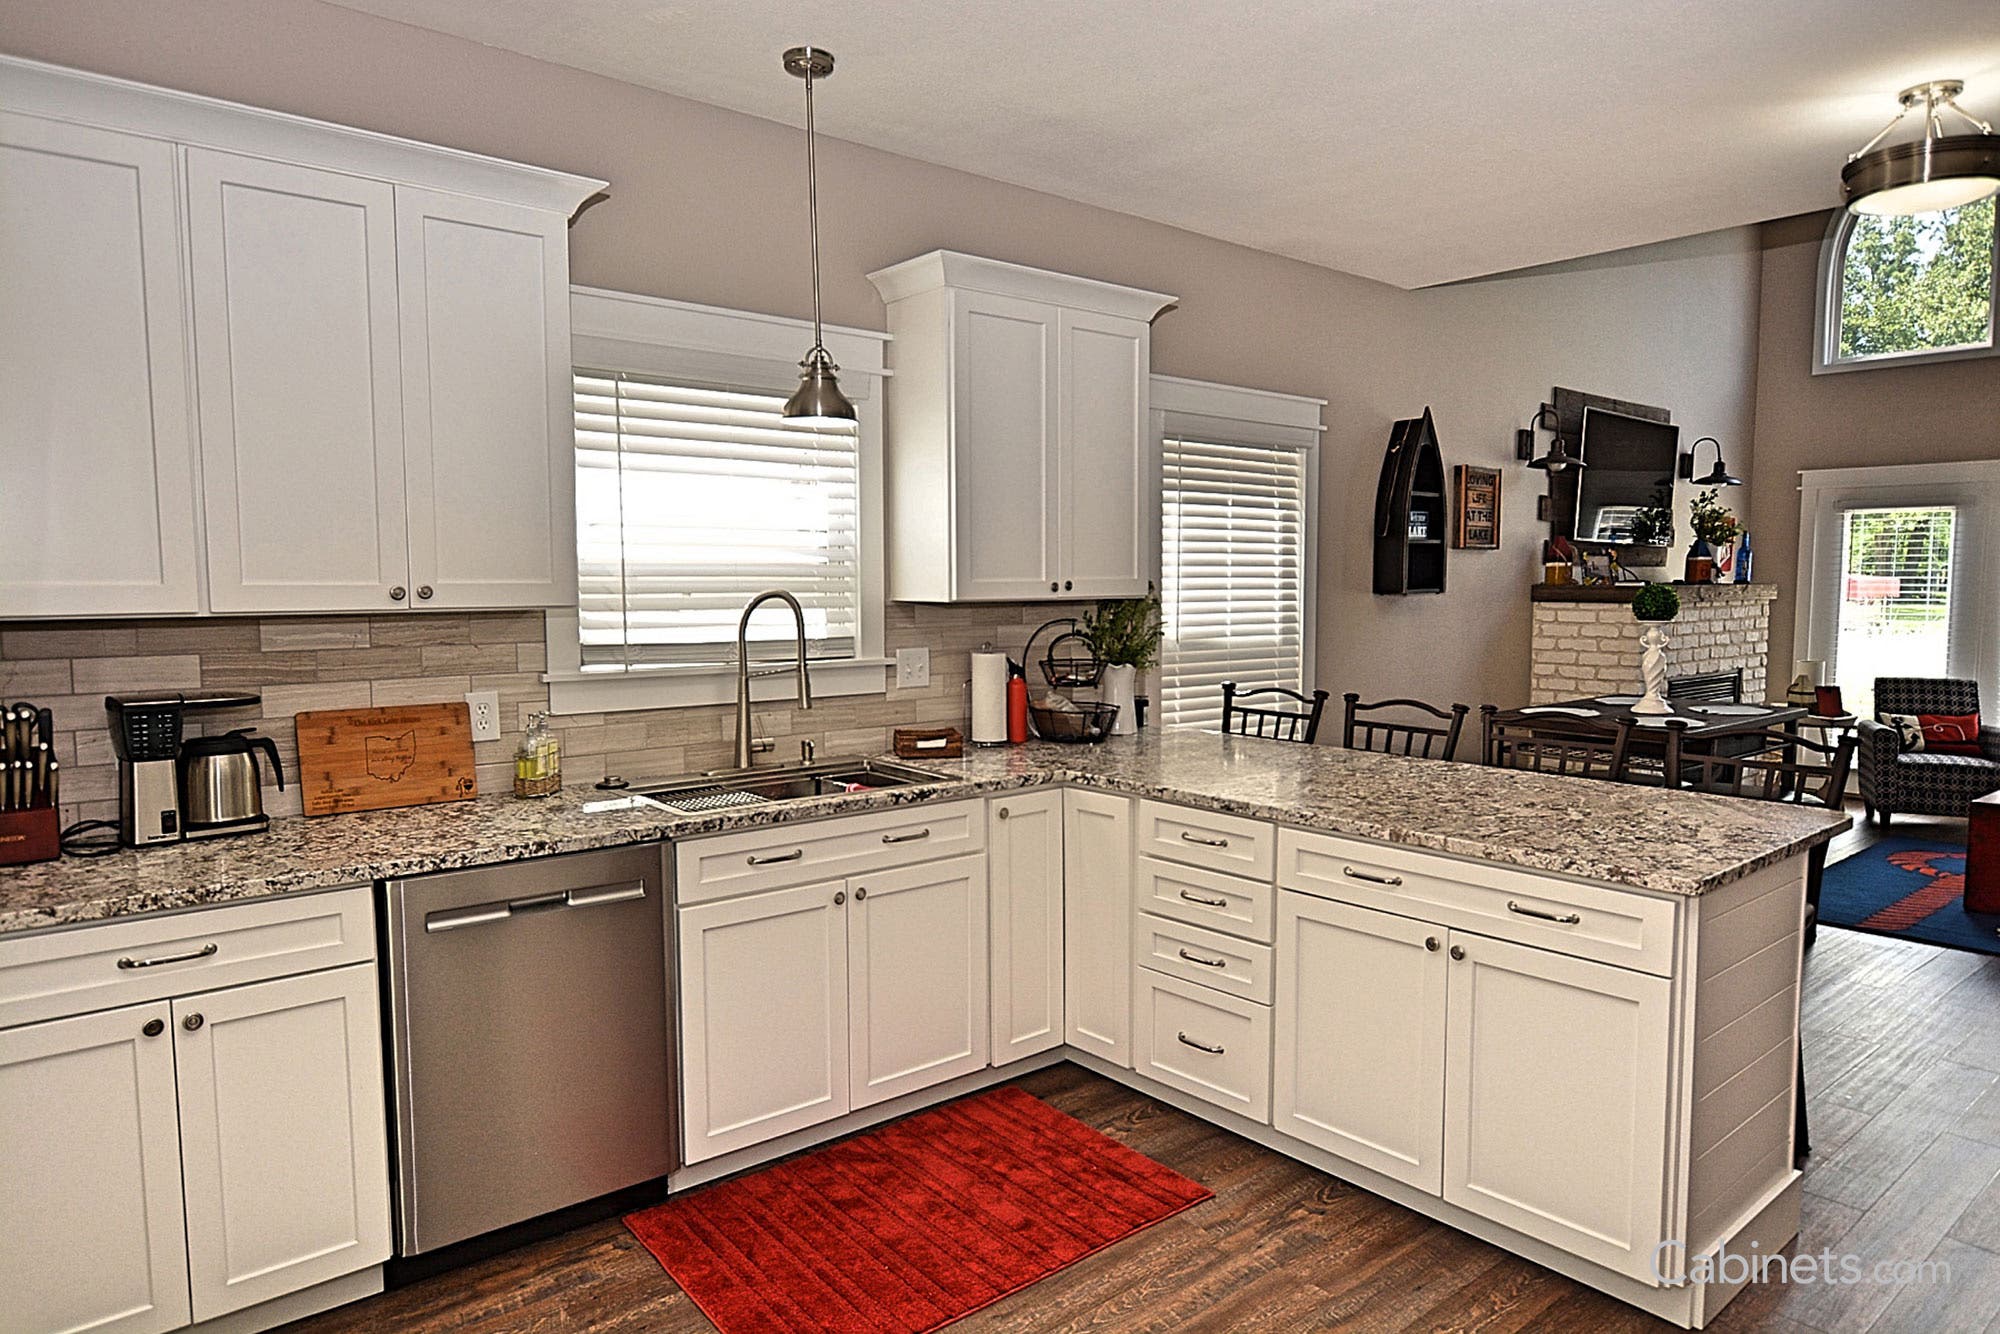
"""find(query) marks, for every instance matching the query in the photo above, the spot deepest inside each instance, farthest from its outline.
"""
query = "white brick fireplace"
(1585, 641)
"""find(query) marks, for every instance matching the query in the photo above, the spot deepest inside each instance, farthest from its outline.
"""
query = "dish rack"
(1069, 664)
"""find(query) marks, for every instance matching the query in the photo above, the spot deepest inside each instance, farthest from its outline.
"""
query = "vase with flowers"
(1714, 529)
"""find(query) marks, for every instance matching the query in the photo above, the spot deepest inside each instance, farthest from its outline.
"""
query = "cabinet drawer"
(1206, 838)
(1201, 1041)
(148, 958)
(1199, 955)
(1203, 898)
(1629, 929)
(797, 854)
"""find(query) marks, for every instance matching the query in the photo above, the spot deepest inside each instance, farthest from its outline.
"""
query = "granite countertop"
(1644, 838)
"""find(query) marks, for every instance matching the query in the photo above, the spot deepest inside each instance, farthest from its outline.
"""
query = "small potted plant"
(1652, 606)
(1653, 525)
(1714, 529)
(1125, 634)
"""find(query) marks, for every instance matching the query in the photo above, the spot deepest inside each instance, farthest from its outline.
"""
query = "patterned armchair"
(1924, 782)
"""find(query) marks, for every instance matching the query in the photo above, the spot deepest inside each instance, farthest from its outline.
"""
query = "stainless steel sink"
(721, 789)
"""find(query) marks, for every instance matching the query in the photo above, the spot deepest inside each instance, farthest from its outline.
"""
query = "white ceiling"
(1416, 142)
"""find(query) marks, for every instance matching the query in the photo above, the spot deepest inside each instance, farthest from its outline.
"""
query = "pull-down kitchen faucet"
(743, 672)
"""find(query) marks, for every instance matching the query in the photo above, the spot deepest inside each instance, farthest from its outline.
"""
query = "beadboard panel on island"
(298, 663)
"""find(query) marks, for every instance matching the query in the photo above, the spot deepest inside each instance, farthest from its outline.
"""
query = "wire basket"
(1071, 663)
(1083, 724)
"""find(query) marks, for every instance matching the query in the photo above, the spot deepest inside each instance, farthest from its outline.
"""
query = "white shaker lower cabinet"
(1204, 1042)
(1555, 1099)
(1360, 1063)
(91, 1160)
(1024, 841)
(764, 1022)
(916, 977)
(287, 1172)
(1097, 913)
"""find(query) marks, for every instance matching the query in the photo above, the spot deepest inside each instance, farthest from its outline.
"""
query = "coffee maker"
(146, 736)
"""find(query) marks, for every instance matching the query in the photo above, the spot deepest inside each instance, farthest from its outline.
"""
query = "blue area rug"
(1911, 888)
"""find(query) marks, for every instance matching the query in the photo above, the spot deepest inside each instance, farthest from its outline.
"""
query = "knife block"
(33, 835)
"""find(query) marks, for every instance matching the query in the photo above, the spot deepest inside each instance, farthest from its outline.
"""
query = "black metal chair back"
(1572, 748)
(1784, 767)
(1273, 722)
(1400, 736)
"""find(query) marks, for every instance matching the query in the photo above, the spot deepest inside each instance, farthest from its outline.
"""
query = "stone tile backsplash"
(300, 663)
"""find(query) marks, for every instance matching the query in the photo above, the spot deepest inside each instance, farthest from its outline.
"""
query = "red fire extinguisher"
(1017, 704)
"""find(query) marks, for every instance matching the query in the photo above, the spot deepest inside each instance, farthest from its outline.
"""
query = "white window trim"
(1826, 313)
(1972, 487)
(643, 335)
(1235, 415)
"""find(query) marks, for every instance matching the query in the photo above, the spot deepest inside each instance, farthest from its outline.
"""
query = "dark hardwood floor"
(1902, 1052)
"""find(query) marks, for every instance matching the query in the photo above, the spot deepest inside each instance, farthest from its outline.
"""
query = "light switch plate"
(484, 706)
(913, 668)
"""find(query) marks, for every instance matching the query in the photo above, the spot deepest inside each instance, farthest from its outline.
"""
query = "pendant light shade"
(1937, 171)
(1558, 459)
(818, 400)
(1717, 476)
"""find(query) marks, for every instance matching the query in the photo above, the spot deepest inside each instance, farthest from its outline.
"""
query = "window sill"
(692, 687)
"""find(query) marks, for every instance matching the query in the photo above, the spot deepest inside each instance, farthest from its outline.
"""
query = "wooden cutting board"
(372, 759)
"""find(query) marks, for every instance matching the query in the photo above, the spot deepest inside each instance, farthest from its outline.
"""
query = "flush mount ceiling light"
(1938, 171)
(1720, 476)
(818, 400)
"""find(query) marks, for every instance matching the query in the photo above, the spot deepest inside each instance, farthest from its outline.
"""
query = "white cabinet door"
(763, 1000)
(1555, 1099)
(1007, 490)
(298, 376)
(916, 977)
(91, 1170)
(1361, 1036)
(1097, 913)
(1024, 843)
(284, 1135)
(490, 456)
(1110, 513)
(97, 511)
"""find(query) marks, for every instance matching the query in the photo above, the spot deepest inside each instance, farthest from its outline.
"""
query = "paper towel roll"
(989, 698)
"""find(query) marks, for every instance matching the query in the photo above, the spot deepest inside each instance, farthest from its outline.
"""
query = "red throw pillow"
(1950, 734)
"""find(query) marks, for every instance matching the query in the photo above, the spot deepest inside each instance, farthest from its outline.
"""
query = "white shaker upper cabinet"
(486, 402)
(97, 509)
(1018, 451)
(297, 370)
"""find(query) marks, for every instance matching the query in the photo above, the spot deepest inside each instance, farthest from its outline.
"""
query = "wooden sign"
(1476, 517)
(373, 759)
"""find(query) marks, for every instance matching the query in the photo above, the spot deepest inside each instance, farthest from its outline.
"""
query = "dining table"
(1700, 720)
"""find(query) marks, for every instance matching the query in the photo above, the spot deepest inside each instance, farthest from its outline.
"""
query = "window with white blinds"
(691, 501)
(1895, 596)
(1233, 573)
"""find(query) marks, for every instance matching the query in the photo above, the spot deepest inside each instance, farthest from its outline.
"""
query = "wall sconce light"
(1558, 459)
(1720, 476)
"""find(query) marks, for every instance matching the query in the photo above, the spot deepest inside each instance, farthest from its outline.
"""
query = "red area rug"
(912, 1226)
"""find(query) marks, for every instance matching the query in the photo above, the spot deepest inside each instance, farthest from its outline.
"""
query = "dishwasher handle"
(451, 919)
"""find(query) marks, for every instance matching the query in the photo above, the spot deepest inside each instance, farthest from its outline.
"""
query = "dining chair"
(1401, 736)
(1572, 748)
(1274, 721)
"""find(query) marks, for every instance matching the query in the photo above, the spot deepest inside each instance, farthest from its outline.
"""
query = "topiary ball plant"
(1656, 602)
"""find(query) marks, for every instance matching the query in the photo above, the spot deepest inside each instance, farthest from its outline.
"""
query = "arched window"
(1893, 291)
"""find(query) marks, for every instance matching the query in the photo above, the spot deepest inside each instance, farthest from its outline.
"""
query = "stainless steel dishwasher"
(530, 1039)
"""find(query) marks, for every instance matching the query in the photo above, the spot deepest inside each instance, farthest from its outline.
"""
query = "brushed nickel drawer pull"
(1561, 919)
(1206, 903)
(1186, 837)
(1199, 1046)
(201, 953)
(1205, 963)
(917, 837)
(1353, 874)
(791, 856)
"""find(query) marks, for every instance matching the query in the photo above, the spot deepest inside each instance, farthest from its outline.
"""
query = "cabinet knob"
(1052, 585)
(1002, 812)
(398, 593)
(192, 1022)
(839, 897)
(424, 592)
(154, 1027)
(1458, 951)
(1431, 943)
(1067, 585)
(860, 893)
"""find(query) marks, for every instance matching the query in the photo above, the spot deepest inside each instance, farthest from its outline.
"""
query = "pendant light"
(818, 400)
(1938, 171)
(1720, 476)
(1558, 459)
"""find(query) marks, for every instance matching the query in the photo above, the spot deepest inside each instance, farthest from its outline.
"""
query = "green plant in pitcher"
(1125, 631)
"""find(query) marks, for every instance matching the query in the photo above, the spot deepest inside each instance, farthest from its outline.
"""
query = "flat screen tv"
(1627, 478)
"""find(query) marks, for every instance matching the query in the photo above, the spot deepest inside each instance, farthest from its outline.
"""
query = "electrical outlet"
(484, 705)
(913, 668)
